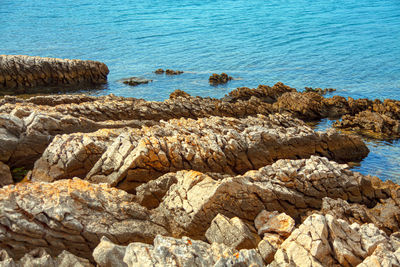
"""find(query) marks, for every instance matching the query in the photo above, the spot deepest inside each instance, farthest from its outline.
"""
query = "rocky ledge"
(21, 72)
(191, 181)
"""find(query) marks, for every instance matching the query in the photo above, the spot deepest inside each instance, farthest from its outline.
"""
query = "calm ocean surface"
(353, 46)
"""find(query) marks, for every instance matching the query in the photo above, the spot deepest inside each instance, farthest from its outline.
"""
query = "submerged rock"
(173, 72)
(319, 90)
(135, 81)
(26, 71)
(216, 79)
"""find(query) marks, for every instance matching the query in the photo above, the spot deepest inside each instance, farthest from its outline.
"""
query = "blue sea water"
(350, 45)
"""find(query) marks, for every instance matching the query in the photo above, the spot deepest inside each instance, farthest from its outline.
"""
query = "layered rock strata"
(70, 215)
(26, 71)
(215, 144)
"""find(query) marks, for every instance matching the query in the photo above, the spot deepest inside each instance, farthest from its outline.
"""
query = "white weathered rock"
(326, 241)
(108, 254)
(267, 251)
(274, 222)
(231, 232)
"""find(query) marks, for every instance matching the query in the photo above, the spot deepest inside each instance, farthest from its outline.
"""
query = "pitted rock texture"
(25, 135)
(168, 251)
(216, 79)
(326, 241)
(5, 175)
(264, 92)
(40, 258)
(367, 122)
(215, 144)
(232, 232)
(70, 215)
(26, 71)
(73, 155)
(290, 186)
(274, 222)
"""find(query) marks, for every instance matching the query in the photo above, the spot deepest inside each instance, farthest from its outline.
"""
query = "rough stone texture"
(231, 232)
(383, 256)
(215, 144)
(26, 71)
(267, 251)
(325, 241)
(173, 72)
(70, 215)
(40, 258)
(168, 251)
(25, 135)
(108, 254)
(73, 155)
(5, 175)
(219, 78)
(385, 214)
(264, 92)
(290, 186)
(367, 122)
(274, 222)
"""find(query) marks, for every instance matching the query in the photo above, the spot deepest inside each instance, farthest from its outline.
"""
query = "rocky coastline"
(191, 181)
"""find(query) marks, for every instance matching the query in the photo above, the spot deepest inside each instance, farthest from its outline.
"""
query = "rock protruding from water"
(26, 72)
(216, 79)
(135, 81)
(319, 90)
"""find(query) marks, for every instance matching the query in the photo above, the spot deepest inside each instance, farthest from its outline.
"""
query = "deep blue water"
(353, 46)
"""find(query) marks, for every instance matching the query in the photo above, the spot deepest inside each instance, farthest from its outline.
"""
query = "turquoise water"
(353, 46)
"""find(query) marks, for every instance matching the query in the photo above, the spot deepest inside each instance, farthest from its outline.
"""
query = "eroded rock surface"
(216, 79)
(70, 215)
(215, 144)
(290, 186)
(135, 81)
(326, 241)
(26, 71)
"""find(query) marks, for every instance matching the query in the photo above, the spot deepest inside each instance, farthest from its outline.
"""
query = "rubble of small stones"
(24, 72)
(135, 81)
(192, 181)
(216, 79)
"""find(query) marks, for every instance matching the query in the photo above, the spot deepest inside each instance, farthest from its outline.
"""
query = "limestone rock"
(73, 155)
(108, 254)
(382, 257)
(5, 175)
(37, 258)
(215, 144)
(319, 90)
(290, 186)
(267, 251)
(168, 251)
(367, 122)
(67, 259)
(173, 72)
(231, 232)
(274, 222)
(219, 78)
(70, 215)
(324, 241)
(26, 71)
(6, 260)
(159, 71)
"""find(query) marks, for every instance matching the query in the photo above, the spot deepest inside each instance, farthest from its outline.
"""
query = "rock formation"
(5, 175)
(319, 90)
(70, 215)
(216, 79)
(215, 144)
(22, 72)
(135, 81)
